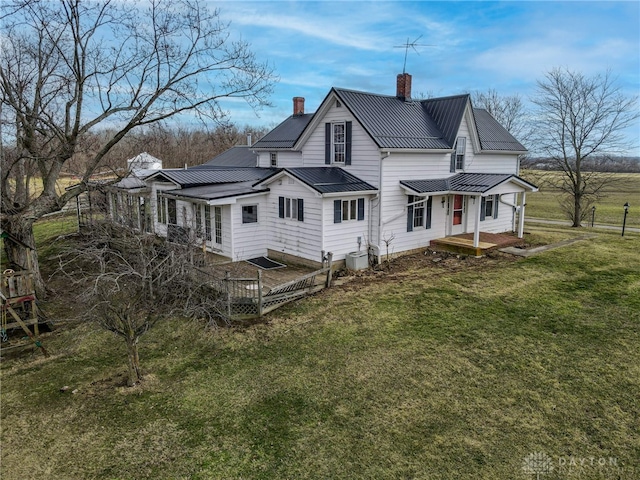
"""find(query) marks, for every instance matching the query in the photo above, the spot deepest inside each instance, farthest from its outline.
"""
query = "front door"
(458, 215)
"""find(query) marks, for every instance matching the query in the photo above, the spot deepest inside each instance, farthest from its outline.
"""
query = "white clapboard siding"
(365, 155)
(493, 163)
(248, 239)
(342, 238)
(301, 239)
(410, 166)
(504, 222)
(286, 159)
(480, 162)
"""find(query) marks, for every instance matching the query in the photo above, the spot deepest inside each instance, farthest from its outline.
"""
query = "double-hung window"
(461, 144)
(457, 157)
(292, 208)
(348, 210)
(418, 212)
(489, 207)
(273, 158)
(338, 142)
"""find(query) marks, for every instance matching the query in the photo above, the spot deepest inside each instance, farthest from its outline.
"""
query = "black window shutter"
(347, 147)
(300, 210)
(427, 224)
(327, 143)
(337, 211)
(410, 215)
(452, 167)
(482, 204)
(361, 209)
(495, 206)
(281, 207)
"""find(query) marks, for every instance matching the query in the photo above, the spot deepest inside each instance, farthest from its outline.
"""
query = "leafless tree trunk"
(579, 117)
(73, 68)
(128, 281)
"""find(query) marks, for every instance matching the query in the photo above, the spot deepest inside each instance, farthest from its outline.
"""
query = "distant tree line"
(176, 147)
(609, 164)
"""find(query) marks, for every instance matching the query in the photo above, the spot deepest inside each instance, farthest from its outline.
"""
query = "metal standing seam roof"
(129, 183)
(494, 136)
(286, 134)
(194, 177)
(393, 123)
(447, 113)
(462, 182)
(217, 191)
(329, 179)
(423, 124)
(238, 156)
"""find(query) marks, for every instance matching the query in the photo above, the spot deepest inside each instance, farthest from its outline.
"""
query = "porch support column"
(476, 228)
(521, 219)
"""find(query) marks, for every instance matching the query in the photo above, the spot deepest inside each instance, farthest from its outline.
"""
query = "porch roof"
(326, 179)
(472, 183)
(201, 177)
(217, 191)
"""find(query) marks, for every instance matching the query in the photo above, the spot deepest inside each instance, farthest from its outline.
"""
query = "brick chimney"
(403, 86)
(298, 105)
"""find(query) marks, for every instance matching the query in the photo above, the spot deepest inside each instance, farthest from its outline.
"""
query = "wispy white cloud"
(533, 57)
(332, 29)
(464, 46)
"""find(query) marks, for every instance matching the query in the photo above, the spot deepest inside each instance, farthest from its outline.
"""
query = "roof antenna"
(413, 45)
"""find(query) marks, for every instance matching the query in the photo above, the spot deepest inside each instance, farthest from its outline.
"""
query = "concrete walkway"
(533, 251)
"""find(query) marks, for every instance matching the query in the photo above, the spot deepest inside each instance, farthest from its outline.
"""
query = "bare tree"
(73, 68)
(508, 110)
(579, 117)
(128, 281)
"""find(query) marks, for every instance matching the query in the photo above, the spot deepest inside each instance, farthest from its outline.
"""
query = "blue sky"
(467, 46)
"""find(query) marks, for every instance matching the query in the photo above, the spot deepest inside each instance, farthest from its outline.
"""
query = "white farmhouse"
(364, 171)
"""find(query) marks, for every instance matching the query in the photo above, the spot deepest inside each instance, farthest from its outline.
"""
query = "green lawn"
(609, 210)
(435, 373)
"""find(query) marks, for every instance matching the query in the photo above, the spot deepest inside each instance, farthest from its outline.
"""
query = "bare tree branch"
(76, 74)
(128, 281)
(577, 118)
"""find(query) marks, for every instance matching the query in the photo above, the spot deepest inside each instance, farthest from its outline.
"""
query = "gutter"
(516, 209)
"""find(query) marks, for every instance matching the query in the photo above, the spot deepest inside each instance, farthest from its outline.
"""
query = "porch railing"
(245, 298)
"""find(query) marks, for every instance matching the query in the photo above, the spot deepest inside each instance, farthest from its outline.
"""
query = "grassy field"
(609, 210)
(457, 369)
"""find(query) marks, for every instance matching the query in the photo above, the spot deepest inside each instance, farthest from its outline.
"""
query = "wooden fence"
(246, 298)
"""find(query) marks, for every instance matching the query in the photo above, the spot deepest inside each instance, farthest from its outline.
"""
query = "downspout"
(516, 209)
(383, 157)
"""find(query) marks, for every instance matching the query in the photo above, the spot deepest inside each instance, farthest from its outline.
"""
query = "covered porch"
(475, 202)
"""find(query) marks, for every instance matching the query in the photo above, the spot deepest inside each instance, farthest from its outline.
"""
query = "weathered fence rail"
(246, 298)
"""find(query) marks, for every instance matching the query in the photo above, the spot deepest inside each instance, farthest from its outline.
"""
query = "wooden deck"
(270, 278)
(463, 243)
